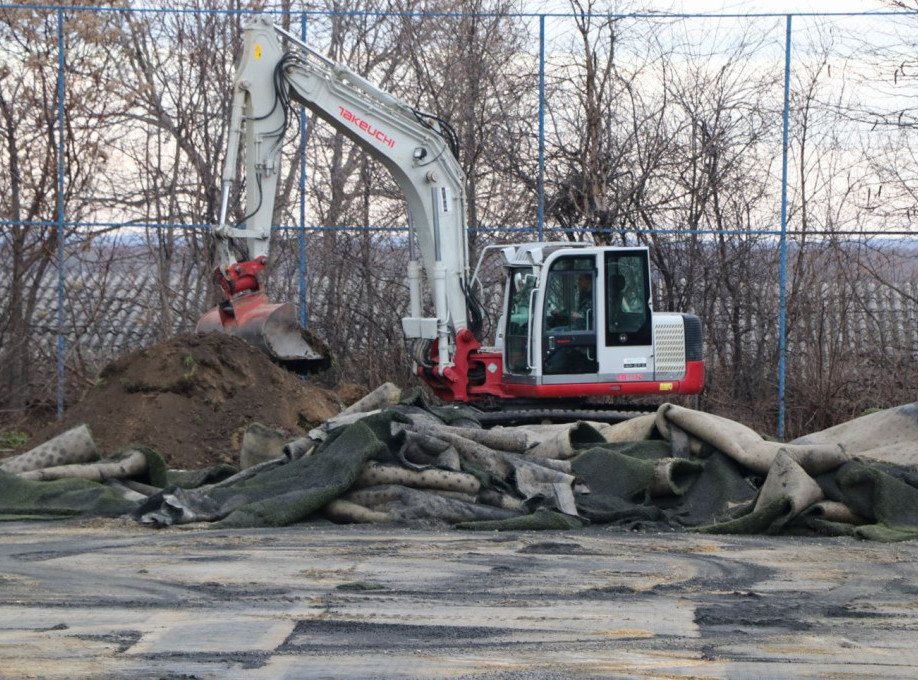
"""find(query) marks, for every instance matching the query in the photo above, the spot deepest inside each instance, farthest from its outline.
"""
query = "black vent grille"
(694, 338)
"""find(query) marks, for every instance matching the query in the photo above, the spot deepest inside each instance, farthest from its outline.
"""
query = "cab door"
(569, 317)
(627, 353)
(521, 289)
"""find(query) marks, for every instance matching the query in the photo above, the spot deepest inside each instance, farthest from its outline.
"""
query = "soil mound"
(191, 398)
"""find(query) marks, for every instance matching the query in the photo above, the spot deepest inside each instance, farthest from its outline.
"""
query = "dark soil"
(192, 397)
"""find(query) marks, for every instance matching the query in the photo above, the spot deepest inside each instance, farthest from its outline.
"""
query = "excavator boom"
(416, 147)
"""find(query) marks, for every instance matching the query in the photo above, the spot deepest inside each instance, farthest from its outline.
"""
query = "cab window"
(628, 315)
(522, 281)
(569, 296)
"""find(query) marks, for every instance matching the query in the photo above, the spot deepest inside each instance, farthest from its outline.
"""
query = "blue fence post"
(302, 229)
(541, 124)
(782, 304)
(60, 213)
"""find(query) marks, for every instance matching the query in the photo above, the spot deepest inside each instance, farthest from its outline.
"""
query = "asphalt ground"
(113, 599)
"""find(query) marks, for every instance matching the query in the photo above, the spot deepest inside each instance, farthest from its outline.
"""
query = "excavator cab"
(580, 321)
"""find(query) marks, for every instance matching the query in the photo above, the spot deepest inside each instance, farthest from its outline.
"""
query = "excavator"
(577, 319)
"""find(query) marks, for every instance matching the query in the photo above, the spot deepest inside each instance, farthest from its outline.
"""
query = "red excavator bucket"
(272, 328)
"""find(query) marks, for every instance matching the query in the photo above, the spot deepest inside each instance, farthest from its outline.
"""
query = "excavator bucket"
(272, 328)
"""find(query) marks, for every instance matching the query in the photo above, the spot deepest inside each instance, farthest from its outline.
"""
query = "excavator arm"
(415, 147)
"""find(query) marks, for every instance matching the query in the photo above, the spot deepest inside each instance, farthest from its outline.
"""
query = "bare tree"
(654, 135)
(174, 76)
(614, 139)
(466, 69)
(29, 191)
(715, 263)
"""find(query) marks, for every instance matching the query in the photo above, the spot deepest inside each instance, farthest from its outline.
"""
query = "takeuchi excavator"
(577, 319)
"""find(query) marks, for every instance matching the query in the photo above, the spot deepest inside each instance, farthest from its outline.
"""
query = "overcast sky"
(780, 6)
(735, 6)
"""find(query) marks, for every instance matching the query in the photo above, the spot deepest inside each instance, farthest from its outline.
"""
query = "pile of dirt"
(191, 398)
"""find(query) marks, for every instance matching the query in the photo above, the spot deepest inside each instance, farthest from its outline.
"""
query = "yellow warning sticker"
(666, 387)
(257, 51)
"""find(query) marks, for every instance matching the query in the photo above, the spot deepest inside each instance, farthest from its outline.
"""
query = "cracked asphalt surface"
(112, 599)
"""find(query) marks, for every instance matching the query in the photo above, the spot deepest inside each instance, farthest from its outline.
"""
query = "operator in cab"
(579, 317)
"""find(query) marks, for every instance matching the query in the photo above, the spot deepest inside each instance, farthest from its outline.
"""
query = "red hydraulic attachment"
(473, 374)
(240, 277)
(273, 328)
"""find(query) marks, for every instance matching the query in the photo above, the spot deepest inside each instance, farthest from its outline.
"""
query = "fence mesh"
(630, 127)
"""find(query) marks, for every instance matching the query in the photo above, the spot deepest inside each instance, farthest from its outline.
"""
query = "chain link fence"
(767, 160)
